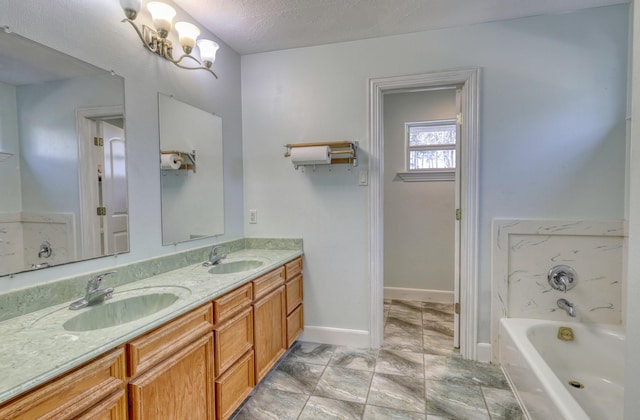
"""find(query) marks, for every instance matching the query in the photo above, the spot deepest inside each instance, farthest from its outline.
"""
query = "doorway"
(420, 151)
(465, 294)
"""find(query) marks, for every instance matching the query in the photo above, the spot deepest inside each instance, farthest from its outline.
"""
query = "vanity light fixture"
(155, 40)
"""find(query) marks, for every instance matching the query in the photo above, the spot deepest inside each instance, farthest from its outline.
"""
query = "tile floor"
(415, 375)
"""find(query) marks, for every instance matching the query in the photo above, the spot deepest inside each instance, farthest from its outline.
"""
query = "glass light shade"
(131, 8)
(208, 50)
(162, 15)
(188, 33)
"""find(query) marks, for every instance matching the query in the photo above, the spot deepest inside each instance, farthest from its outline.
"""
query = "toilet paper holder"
(342, 152)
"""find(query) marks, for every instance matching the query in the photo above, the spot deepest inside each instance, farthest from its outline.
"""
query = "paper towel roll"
(315, 155)
(170, 161)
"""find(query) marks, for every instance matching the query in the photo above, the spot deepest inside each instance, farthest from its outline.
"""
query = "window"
(431, 150)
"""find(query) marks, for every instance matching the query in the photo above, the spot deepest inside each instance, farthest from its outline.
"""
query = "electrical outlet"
(253, 216)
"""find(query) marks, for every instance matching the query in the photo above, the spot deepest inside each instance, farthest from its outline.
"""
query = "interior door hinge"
(102, 211)
(459, 118)
(98, 141)
(458, 214)
(456, 308)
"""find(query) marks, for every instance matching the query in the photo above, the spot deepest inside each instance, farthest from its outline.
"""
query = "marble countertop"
(36, 348)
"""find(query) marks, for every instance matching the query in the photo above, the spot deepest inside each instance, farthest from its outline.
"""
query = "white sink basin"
(235, 266)
(110, 314)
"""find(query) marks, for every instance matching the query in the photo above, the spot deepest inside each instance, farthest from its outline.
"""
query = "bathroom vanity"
(199, 357)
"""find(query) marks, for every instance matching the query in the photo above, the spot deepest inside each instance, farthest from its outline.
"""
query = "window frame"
(429, 174)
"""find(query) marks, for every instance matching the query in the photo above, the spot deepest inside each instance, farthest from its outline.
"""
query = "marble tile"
(293, 376)
(400, 363)
(326, 408)
(455, 400)
(502, 404)
(271, 404)
(344, 384)
(407, 305)
(438, 344)
(372, 412)
(490, 375)
(399, 392)
(436, 315)
(444, 368)
(399, 340)
(440, 307)
(315, 353)
(358, 359)
(443, 327)
(409, 324)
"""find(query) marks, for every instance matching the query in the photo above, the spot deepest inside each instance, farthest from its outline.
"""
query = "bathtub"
(541, 368)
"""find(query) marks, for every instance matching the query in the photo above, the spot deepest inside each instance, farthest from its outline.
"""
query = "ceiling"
(253, 26)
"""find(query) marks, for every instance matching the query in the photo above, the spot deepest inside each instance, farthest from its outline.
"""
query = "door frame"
(469, 79)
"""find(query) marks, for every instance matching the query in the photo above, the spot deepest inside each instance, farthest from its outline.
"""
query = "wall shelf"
(188, 159)
(342, 152)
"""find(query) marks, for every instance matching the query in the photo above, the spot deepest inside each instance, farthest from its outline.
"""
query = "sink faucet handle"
(96, 280)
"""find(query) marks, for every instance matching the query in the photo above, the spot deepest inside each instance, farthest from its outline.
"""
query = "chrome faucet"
(214, 257)
(94, 293)
(45, 250)
(567, 306)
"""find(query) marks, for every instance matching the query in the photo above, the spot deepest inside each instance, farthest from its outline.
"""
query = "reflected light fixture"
(155, 40)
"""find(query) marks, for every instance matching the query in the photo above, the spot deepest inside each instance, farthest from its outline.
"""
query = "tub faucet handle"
(562, 278)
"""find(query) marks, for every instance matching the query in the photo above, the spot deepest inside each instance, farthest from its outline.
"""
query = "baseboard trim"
(422, 295)
(483, 352)
(336, 336)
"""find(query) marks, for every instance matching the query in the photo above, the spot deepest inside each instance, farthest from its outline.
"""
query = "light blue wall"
(92, 31)
(10, 168)
(552, 137)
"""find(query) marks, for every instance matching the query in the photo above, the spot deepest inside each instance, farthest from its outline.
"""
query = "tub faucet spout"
(567, 306)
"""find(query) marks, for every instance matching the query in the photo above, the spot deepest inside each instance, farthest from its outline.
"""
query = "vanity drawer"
(295, 325)
(234, 386)
(233, 339)
(146, 351)
(294, 293)
(294, 268)
(227, 305)
(266, 283)
(75, 393)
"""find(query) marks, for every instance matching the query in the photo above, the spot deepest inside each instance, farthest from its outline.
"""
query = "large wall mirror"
(191, 171)
(63, 179)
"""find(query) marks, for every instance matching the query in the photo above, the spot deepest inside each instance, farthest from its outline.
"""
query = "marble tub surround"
(523, 252)
(22, 301)
(35, 347)
(321, 381)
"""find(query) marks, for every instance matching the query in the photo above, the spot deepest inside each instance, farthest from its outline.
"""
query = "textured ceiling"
(251, 26)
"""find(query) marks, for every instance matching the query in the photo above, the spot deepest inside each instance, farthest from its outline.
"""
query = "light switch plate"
(253, 216)
(363, 177)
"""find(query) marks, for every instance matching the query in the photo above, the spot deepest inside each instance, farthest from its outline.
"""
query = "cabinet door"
(233, 339)
(295, 325)
(294, 293)
(74, 393)
(181, 387)
(270, 331)
(234, 386)
(112, 408)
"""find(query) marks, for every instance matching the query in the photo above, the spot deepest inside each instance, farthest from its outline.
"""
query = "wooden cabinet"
(95, 390)
(172, 369)
(202, 365)
(234, 386)
(294, 297)
(180, 387)
(270, 338)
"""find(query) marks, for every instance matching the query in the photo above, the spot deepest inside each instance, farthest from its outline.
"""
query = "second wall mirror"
(191, 168)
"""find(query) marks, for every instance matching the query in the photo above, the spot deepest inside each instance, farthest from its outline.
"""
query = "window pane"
(432, 159)
(432, 135)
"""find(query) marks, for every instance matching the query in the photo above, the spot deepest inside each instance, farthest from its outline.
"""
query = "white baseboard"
(483, 352)
(336, 336)
(421, 295)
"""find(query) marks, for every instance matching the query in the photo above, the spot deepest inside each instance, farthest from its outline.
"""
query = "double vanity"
(187, 343)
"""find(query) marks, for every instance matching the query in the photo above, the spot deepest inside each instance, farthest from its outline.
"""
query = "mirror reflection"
(191, 171)
(63, 179)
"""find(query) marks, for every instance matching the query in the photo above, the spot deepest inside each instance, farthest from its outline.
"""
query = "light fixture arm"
(152, 41)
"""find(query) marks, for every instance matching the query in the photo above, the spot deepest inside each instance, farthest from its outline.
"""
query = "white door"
(114, 191)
